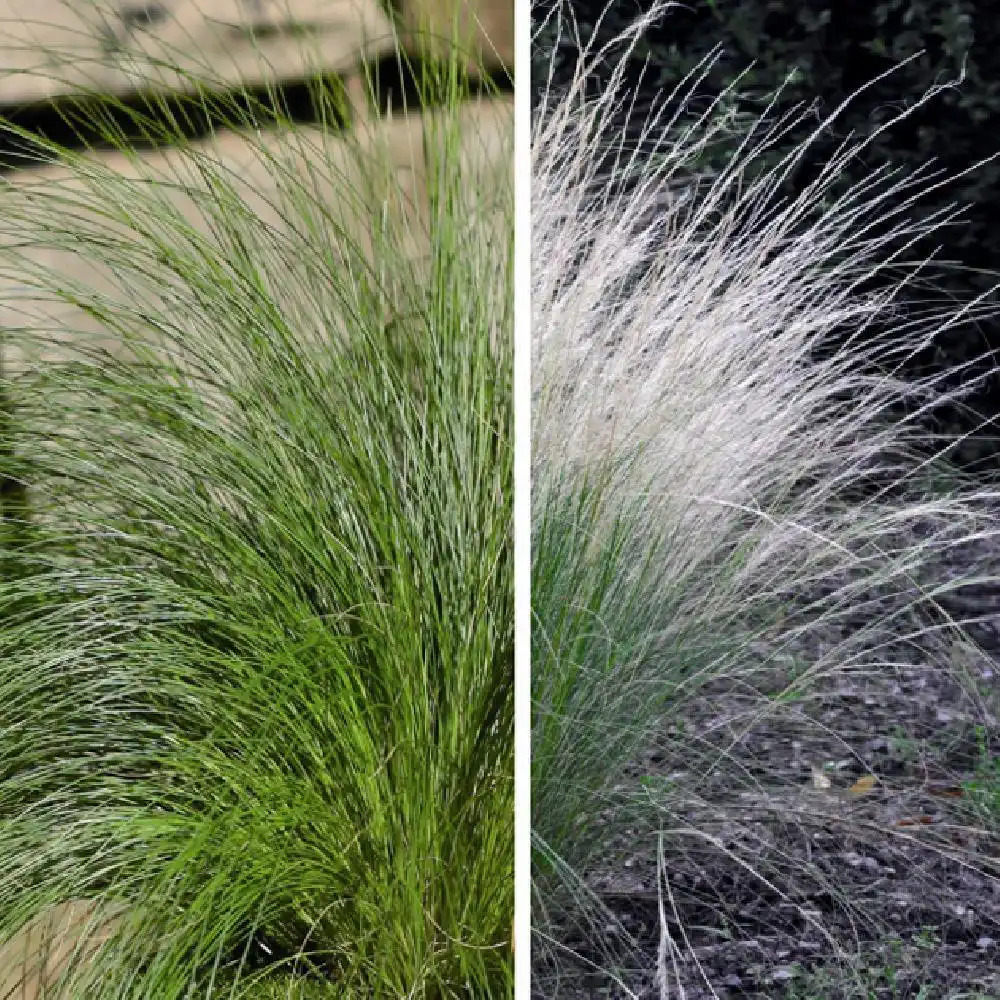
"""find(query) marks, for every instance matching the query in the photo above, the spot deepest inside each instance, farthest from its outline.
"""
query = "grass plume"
(710, 477)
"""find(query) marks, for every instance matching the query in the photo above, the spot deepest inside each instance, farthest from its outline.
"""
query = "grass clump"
(983, 786)
(737, 505)
(256, 645)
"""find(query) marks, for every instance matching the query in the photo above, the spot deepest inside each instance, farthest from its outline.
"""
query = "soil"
(846, 847)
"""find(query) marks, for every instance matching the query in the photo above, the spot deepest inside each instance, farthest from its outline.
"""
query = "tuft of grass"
(983, 788)
(256, 654)
(719, 485)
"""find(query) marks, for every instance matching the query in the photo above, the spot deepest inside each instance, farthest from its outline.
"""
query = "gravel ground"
(784, 877)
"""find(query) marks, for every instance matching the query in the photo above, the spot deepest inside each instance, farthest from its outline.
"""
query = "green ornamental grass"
(712, 484)
(256, 641)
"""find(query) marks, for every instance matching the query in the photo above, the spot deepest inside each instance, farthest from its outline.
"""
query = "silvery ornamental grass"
(712, 481)
(256, 640)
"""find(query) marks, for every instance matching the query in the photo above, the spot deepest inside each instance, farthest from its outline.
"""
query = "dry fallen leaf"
(863, 785)
(915, 821)
(946, 791)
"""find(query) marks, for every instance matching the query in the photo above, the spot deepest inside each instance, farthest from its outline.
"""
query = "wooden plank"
(485, 29)
(322, 161)
(55, 47)
(32, 962)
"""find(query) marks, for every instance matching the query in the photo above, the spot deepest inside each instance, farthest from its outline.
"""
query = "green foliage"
(256, 663)
(983, 790)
